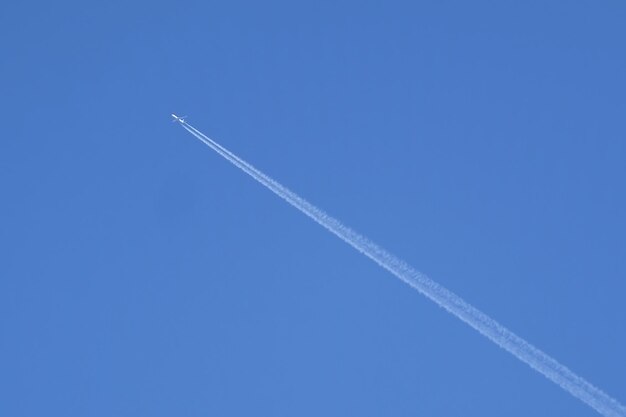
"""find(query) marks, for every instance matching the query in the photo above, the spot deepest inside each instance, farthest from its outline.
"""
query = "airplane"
(178, 119)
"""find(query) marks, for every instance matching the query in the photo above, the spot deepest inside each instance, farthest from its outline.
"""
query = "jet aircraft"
(178, 119)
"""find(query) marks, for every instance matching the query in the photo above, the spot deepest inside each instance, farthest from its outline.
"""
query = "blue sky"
(141, 274)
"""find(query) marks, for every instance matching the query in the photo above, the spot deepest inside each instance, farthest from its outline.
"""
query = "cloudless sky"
(483, 142)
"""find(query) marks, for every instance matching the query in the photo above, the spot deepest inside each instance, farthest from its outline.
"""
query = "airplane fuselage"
(178, 119)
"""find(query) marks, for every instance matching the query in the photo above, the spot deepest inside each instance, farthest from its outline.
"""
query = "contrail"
(485, 325)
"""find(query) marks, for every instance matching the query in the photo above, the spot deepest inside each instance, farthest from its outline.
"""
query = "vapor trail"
(488, 327)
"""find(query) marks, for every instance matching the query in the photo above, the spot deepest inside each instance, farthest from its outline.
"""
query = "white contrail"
(484, 324)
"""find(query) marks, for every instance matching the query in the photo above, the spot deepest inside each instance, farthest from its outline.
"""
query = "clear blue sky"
(140, 274)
